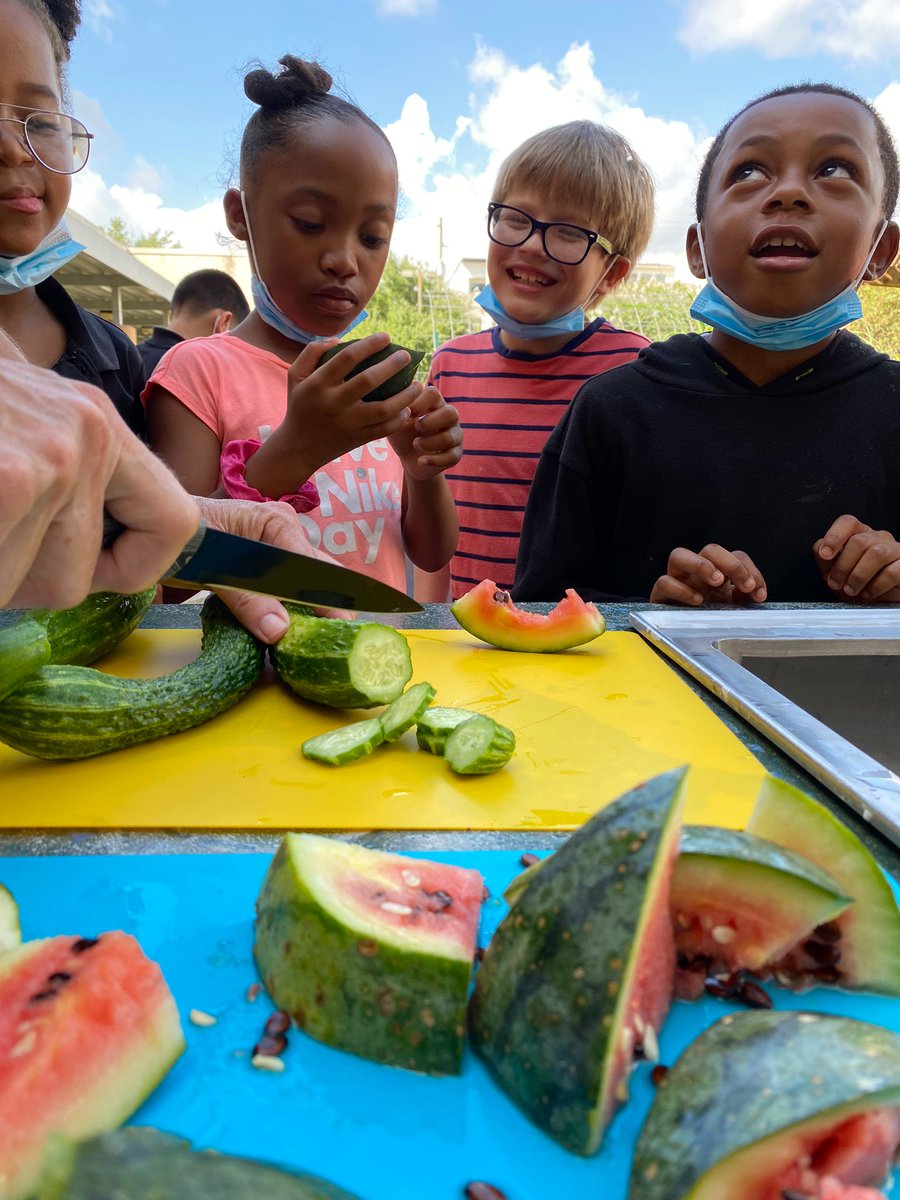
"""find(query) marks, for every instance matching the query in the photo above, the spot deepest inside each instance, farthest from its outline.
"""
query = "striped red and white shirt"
(509, 403)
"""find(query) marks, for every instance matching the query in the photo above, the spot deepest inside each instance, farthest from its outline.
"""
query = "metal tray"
(823, 685)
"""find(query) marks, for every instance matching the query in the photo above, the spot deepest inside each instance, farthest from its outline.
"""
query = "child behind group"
(204, 302)
(760, 462)
(572, 210)
(316, 208)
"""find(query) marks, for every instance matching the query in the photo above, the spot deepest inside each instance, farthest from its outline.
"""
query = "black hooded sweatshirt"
(678, 448)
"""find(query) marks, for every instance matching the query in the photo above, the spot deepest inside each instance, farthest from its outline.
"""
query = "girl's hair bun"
(297, 82)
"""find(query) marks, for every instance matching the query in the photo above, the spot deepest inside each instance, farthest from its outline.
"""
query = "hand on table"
(859, 563)
(714, 576)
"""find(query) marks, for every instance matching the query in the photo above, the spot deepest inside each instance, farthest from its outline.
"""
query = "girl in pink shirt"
(316, 207)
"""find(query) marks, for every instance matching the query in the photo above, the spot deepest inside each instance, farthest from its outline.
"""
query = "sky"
(456, 85)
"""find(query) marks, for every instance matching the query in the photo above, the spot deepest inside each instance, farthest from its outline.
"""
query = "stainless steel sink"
(823, 685)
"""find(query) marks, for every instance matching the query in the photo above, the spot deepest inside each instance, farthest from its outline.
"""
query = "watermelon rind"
(368, 951)
(870, 943)
(10, 929)
(144, 1164)
(744, 877)
(744, 1101)
(557, 990)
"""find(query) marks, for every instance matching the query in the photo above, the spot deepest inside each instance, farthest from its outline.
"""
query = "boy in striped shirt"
(572, 210)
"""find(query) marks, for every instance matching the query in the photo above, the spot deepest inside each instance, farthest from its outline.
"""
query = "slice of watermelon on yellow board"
(488, 613)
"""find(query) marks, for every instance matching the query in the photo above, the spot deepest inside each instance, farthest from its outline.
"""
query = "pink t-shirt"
(240, 391)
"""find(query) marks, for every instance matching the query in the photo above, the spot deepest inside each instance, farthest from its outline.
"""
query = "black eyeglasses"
(568, 244)
(58, 142)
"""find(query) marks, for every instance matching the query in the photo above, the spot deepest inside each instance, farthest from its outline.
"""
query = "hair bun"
(297, 81)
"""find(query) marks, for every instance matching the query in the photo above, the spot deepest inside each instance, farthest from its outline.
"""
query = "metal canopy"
(107, 278)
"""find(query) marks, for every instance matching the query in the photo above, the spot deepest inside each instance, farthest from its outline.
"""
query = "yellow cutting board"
(589, 723)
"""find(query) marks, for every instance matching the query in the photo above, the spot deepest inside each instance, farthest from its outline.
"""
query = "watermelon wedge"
(488, 613)
(867, 948)
(774, 1106)
(88, 1028)
(370, 952)
(580, 971)
(144, 1164)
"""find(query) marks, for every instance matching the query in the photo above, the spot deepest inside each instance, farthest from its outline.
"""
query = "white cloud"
(509, 103)
(854, 30)
(144, 177)
(100, 17)
(405, 8)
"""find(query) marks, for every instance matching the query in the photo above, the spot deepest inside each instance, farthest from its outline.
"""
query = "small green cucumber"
(401, 714)
(82, 634)
(436, 724)
(346, 744)
(397, 382)
(76, 712)
(479, 746)
(344, 664)
(23, 648)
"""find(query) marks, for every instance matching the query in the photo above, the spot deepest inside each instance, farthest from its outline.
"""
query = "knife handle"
(112, 528)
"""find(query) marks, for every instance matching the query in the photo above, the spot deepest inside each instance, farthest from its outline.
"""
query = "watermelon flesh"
(88, 1028)
(488, 613)
(370, 952)
(844, 1162)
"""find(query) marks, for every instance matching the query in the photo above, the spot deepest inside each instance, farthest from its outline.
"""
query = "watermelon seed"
(827, 974)
(59, 977)
(790, 1194)
(724, 989)
(443, 899)
(48, 994)
(483, 1191)
(723, 934)
(81, 944)
(830, 932)
(824, 953)
(479, 953)
(202, 1019)
(270, 1046)
(658, 1074)
(253, 992)
(266, 1062)
(528, 860)
(401, 910)
(650, 1045)
(25, 1044)
(279, 1022)
(501, 597)
(411, 879)
(753, 995)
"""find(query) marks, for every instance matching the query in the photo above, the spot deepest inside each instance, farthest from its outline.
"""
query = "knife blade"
(213, 559)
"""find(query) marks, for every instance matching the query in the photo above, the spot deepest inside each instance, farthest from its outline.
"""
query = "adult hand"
(65, 454)
(430, 439)
(271, 522)
(714, 576)
(858, 562)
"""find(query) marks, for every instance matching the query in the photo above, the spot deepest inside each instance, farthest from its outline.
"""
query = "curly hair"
(60, 19)
(299, 94)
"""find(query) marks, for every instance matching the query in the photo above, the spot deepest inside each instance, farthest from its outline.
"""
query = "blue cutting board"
(379, 1132)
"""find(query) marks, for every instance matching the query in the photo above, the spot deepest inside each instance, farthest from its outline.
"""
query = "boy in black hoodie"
(761, 461)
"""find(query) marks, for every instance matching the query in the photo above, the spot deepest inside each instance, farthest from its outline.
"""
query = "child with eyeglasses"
(760, 461)
(41, 147)
(572, 210)
(255, 412)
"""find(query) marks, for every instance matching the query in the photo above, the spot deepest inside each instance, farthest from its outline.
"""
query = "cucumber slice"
(10, 930)
(346, 744)
(405, 711)
(345, 664)
(436, 724)
(479, 746)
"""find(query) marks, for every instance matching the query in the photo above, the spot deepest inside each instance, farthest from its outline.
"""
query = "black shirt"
(679, 449)
(97, 352)
(152, 350)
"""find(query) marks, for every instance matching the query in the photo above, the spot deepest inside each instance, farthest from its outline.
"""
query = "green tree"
(157, 239)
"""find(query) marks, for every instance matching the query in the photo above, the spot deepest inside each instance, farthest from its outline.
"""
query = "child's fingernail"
(849, 590)
(716, 577)
(834, 583)
(825, 552)
(760, 594)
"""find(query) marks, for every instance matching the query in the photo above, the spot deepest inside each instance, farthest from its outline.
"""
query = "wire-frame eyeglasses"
(568, 244)
(59, 142)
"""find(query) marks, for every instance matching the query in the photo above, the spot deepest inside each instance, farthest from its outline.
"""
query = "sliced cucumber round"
(479, 746)
(346, 744)
(435, 725)
(10, 929)
(401, 714)
(345, 664)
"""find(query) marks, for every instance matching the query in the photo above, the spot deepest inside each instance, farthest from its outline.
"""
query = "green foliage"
(157, 239)
(417, 309)
(880, 324)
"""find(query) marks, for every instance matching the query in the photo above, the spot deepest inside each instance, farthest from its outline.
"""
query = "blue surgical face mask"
(570, 322)
(713, 307)
(27, 270)
(272, 314)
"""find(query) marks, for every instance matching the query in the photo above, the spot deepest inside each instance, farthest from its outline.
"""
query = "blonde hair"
(593, 166)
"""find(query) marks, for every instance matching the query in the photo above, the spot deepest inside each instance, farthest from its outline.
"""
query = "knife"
(213, 559)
